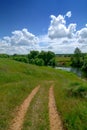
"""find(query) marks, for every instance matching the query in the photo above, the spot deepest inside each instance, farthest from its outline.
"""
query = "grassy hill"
(18, 79)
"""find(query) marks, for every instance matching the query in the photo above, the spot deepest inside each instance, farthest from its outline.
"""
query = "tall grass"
(72, 107)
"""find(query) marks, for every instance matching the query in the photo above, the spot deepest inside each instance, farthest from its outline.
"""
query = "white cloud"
(68, 14)
(65, 38)
(21, 41)
(82, 33)
(23, 37)
(58, 28)
(61, 38)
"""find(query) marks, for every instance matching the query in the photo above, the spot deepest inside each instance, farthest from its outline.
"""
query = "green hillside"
(18, 79)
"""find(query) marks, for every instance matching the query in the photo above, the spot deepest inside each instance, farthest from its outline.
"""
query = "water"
(77, 71)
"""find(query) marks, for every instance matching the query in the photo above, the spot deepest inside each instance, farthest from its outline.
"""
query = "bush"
(77, 90)
(21, 59)
(84, 67)
(39, 62)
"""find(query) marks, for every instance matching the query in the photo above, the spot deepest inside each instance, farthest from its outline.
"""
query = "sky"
(50, 25)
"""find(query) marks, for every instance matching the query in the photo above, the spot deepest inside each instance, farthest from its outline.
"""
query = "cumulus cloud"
(22, 37)
(61, 38)
(58, 28)
(82, 33)
(21, 41)
(65, 38)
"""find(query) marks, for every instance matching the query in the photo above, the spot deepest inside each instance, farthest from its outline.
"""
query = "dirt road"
(55, 121)
(54, 118)
(19, 118)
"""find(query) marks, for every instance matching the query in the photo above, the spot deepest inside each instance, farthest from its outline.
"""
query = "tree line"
(79, 59)
(38, 58)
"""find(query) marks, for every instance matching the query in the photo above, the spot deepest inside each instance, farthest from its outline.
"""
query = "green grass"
(18, 79)
(37, 115)
(16, 82)
(73, 109)
(61, 60)
(77, 90)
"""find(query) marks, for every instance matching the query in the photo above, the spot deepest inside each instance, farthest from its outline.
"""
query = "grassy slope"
(18, 79)
(73, 109)
(16, 82)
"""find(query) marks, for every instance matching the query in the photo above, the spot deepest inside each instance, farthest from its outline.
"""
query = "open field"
(63, 61)
(17, 80)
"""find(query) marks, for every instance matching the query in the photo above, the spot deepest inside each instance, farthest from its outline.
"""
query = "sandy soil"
(55, 121)
(17, 122)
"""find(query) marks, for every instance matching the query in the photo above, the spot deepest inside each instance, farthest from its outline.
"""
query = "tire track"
(55, 121)
(17, 122)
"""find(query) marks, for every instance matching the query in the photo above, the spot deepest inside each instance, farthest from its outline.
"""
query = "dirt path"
(55, 121)
(18, 120)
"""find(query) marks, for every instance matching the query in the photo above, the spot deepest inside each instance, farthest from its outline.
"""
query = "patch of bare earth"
(17, 122)
(55, 121)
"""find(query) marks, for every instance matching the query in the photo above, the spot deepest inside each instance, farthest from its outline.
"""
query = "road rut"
(17, 122)
(55, 121)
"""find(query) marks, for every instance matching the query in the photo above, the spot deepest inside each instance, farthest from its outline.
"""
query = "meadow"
(63, 60)
(18, 79)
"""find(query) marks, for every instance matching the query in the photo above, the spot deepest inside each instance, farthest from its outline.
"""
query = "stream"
(77, 71)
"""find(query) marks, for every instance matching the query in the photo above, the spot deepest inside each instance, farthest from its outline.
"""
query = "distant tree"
(77, 52)
(46, 56)
(33, 54)
(52, 62)
(39, 62)
(43, 55)
(76, 59)
(50, 56)
(21, 59)
(4, 56)
(42, 58)
(84, 67)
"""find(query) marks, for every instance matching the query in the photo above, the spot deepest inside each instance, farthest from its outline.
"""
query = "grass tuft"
(78, 90)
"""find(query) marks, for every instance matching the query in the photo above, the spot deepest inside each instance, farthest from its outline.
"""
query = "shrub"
(39, 62)
(77, 90)
(84, 67)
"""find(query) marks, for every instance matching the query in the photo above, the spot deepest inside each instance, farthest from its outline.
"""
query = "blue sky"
(26, 25)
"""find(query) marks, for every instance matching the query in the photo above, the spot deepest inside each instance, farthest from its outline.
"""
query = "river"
(77, 71)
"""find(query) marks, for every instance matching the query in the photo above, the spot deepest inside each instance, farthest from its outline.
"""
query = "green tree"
(21, 58)
(33, 54)
(42, 58)
(39, 62)
(84, 67)
(43, 55)
(52, 62)
(46, 56)
(76, 59)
